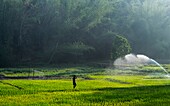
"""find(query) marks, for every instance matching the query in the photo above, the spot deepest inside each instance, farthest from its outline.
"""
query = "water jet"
(132, 61)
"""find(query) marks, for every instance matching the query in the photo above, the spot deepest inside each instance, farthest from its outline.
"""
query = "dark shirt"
(74, 80)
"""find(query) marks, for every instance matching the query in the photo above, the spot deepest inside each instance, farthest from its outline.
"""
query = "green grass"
(94, 88)
(51, 71)
(98, 91)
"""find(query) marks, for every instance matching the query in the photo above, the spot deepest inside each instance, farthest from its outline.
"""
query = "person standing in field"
(74, 81)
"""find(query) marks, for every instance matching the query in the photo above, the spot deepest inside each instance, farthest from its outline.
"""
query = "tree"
(145, 24)
(48, 31)
(120, 48)
(74, 20)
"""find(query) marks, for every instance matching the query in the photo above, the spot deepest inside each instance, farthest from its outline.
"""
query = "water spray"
(131, 60)
(159, 65)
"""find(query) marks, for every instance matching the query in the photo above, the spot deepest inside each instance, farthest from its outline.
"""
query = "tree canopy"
(69, 31)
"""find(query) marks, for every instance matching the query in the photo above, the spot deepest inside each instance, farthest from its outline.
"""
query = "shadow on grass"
(118, 81)
(143, 95)
(11, 85)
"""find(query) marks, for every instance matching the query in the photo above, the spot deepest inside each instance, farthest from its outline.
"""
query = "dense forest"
(77, 31)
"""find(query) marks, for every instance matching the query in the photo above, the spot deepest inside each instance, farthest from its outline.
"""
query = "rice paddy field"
(95, 87)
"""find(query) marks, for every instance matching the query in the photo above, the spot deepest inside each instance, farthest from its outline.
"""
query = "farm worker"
(74, 81)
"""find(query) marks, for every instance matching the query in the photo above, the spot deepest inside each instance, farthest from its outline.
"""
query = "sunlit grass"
(94, 88)
(98, 91)
(17, 72)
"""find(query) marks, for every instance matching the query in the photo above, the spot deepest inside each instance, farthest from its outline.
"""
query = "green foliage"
(77, 48)
(36, 30)
(31, 29)
(145, 24)
(121, 47)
